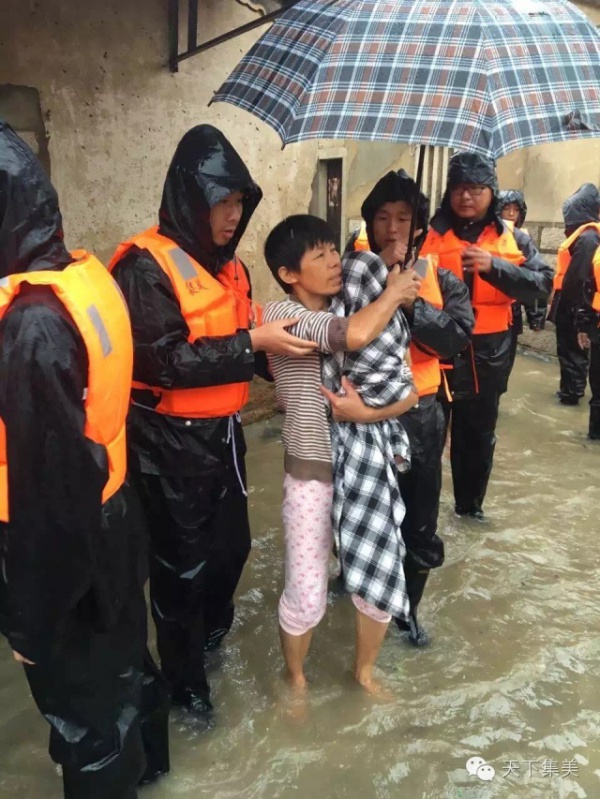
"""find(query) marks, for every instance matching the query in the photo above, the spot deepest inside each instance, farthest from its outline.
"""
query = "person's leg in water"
(306, 513)
(594, 376)
(180, 522)
(572, 359)
(371, 627)
(420, 489)
(295, 650)
(230, 546)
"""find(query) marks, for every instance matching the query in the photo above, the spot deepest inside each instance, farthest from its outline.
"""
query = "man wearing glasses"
(499, 266)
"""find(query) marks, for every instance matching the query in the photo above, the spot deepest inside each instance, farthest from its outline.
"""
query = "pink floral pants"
(306, 513)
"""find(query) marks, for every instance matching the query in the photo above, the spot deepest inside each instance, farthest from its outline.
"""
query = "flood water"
(512, 675)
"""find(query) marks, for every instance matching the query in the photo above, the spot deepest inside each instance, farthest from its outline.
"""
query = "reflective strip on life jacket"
(99, 313)
(563, 260)
(212, 307)
(491, 306)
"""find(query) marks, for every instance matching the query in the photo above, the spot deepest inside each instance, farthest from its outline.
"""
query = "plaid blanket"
(367, 507)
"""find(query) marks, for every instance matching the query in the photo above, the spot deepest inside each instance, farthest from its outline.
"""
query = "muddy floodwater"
(512, 675)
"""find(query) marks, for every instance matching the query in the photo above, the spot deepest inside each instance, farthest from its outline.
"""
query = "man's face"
(225, 217)
(511, 213)
(391, 224)
(471, 201)
(320, 272)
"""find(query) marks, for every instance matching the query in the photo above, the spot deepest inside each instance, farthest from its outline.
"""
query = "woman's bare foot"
(293, 698)
(297, 682)
(370, 685)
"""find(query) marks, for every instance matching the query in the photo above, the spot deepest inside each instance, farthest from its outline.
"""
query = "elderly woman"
(367, 510)
(499, 265)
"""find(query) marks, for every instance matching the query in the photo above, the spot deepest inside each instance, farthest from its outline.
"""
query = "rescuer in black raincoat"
(190, 471)
(73, 569)
(441, 332)
(571, 311)
(466, 233)
(513, 208)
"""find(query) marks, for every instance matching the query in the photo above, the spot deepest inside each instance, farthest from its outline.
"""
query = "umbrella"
(489, 76)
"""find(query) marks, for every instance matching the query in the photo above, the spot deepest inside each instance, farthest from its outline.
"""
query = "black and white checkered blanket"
(367, 507)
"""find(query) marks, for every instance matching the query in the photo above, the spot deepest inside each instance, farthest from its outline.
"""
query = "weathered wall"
(113, 113)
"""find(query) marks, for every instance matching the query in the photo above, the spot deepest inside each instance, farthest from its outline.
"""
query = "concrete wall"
(87, 84)
(113, 114)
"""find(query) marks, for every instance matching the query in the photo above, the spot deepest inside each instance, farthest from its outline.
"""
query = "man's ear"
(287, 276)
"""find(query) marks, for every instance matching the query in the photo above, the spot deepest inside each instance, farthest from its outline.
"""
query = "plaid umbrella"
(490, 76)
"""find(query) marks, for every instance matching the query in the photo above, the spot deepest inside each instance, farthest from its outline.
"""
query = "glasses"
(472, 191)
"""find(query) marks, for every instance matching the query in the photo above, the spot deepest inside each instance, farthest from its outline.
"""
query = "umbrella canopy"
(490, 76)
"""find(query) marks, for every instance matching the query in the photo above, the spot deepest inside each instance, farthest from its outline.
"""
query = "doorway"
(328, 195)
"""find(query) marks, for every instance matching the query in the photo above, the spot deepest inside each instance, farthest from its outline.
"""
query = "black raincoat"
(190, 472)
(445, 332)
(480, 374)
(73, 569)
(536, 314)
(572, 311)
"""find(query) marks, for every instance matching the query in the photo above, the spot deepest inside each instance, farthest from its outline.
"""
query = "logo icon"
(477, 767)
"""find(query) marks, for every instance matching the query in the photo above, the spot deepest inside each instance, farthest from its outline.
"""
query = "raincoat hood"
(472, 168)
(581, 207)
(475, 169)
(31, 232)
(204, 171)
(513, 196)
(395, 187)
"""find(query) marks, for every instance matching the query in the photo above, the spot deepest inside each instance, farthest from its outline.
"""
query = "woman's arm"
(351, 408)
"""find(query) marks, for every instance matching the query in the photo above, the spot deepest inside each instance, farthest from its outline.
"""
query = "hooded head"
(31, 234)
(471, 170)
(204, 172)
(395, 187)
(581, 208)
(513, 197)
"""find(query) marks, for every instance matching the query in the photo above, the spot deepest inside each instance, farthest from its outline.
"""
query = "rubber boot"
(594, 429)
(154, 721)
(416, 580)
(155, 735)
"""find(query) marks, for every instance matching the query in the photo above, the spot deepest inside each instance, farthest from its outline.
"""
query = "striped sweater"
(305, 436)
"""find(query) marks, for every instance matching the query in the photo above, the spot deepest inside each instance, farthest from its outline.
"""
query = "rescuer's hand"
(20, 659)
(584, 341)
(274, 338)
(395, 252)
(474, 259)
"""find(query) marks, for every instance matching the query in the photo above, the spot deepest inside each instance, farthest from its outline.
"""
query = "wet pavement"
(512, 676)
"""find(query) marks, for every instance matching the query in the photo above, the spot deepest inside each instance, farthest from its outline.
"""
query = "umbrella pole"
(413, 224)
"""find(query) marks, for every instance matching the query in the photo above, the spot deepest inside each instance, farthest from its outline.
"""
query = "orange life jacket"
(426, 368)
(492, 307)
(511, 226)
(98, 310)
(563, 260)
(361, 243)
(211, 306)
